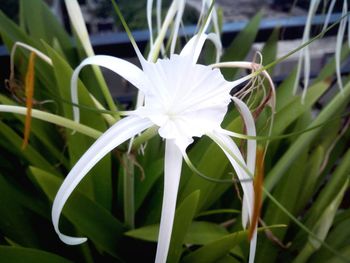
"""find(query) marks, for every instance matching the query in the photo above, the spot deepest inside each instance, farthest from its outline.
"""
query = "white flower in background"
(304, 55)
(184, 100)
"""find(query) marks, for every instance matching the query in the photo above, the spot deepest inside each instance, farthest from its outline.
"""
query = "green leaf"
(15, 219)
(345, 252)
(202, 233)
(90, 218)
(11, 31)
(289, 184)
(331, 190)
(29, 255)
(182, 221)
(295, 108)
(199, 233)
(308, 187)
(43, 24)
(269, 51)
(339, 237)
(44, 133)
(152, 173)
(219, 248)
(284, 92)
(213, 167)
(322, 226)
(30, 154)
(239, 48)
(284, 163)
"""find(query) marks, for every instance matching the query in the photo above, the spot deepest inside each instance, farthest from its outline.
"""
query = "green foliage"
(307, 173)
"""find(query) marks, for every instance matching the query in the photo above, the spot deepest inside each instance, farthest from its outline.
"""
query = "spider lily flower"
(184, 100)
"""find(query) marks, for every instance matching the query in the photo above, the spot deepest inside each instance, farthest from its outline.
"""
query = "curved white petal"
(251, 144)
(172, 10)
(149, 20)
(178, 19)
(122, 67)
(250, 126)
(114, 136)
(235, 157)
(212, 16)
(328, 16)
(172, 173)
(233, 154)
(194, 46)
(339, 42)
(304, 55)
(77, 21)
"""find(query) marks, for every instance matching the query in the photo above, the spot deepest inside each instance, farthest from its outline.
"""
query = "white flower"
(184, 100)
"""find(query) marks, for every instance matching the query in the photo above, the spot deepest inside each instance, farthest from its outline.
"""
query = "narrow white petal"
(250, 126)
(122, 67)
(348, 29)
(215, 20)
(149, 20)
(178, 19)
(78, 23)
(159, 14)
(328, 16)
(172, 172)
(153, 54)
(339, 42)
(252, 248)
(251, 146)
(305, 51)
(231, 149)
(195, 45)
(235, 157)
(114, 136)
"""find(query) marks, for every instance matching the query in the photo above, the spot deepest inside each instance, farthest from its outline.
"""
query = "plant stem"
(129, 191)
(55, 119)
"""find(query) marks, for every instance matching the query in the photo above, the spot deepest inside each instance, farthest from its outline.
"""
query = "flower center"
(184, 99)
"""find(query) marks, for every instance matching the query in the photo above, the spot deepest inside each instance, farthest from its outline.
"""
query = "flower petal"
(172, 173)
(234, 155)
(194, 46)
(251, 144)
(252, 248)
(114, 136)
(122, 67)
(338, 49)
(178, 19)
(250, 126)
(304, 55)
(149, 21)
(77, 21)
(328, 16)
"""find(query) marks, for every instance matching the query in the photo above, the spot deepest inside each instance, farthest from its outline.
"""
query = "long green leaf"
(15, 219)
(217, 249)
(327, 114)
(30, 154)
(29, 255)
(182, 221)
(43, 24)
(199, 233)
(240, 46)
